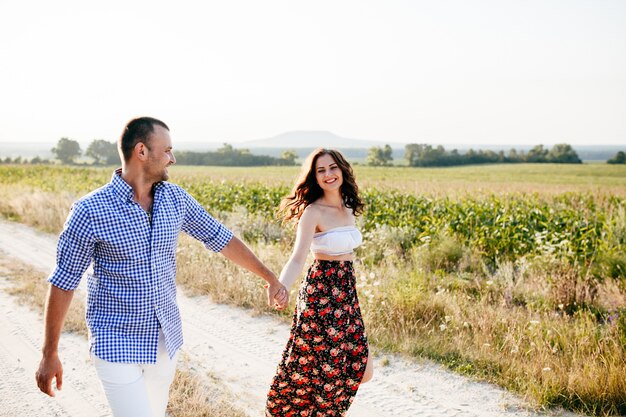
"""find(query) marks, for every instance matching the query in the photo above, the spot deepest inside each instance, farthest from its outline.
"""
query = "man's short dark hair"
(137, 130)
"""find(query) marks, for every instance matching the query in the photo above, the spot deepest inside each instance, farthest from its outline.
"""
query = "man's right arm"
(74, 254)
(57, 305)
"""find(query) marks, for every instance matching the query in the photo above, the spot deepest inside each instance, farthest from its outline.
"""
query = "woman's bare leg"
(369, 369)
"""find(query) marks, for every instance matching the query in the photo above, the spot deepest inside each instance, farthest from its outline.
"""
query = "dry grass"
(30, 287)
(202, 272)
(512, 328)
(191, 396)
(45, 211)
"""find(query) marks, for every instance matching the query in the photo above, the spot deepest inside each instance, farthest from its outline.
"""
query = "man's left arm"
(215, 236)
(237, 252)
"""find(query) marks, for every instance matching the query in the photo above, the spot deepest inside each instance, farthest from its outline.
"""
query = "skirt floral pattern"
(326, 355)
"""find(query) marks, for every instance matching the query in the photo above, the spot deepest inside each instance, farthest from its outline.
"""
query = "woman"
(327, 356)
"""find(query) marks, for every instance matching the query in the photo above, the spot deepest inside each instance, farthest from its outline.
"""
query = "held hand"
(49, 368)
(282, 299)
(277, 295)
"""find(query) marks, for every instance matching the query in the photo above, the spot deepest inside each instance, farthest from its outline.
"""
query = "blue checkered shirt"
(131, 293)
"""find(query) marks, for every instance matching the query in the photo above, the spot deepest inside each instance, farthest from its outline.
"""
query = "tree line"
(68, 151)
(102, 152)
(229, 156)
(424, 155)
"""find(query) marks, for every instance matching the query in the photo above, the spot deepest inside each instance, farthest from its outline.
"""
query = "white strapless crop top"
(337, 241)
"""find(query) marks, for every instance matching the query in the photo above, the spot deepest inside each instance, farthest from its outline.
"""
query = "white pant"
(138, 390)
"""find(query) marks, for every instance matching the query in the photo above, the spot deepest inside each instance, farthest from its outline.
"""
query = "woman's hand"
(282, 299)
(277, 295)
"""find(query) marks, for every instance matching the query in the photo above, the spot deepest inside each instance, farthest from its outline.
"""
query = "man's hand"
(277, 295)
(49, 368)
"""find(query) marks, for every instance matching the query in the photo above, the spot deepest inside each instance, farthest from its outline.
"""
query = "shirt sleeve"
(74, 250)
(199, 224)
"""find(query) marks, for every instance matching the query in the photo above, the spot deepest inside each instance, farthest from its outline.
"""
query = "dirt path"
(224, 341)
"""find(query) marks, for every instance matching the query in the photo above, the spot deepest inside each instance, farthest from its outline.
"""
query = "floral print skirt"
(326, 355)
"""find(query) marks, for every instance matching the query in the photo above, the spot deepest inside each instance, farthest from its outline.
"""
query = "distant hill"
(313, 139)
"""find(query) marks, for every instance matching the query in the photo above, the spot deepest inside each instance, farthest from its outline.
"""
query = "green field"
(507, 178)
(515, 274)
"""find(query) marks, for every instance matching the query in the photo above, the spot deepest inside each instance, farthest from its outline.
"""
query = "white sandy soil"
(237, 347)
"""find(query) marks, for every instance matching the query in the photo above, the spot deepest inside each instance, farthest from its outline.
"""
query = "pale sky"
(440, 72)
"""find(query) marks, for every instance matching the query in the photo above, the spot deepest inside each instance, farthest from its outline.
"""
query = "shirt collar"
(124, 191)
(121, 187)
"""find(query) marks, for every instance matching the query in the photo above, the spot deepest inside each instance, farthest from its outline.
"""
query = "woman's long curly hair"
(307, 190)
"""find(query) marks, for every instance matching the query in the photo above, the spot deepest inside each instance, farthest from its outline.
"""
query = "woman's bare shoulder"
(312, 211)
(310, 218)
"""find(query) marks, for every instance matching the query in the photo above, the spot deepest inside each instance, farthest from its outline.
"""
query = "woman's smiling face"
(327, 173)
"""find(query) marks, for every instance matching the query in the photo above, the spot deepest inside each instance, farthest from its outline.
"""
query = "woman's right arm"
(304, 236)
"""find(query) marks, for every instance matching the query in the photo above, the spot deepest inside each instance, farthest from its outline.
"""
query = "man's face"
(160, 155)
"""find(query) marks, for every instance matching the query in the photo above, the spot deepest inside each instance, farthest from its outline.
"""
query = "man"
(129, 230)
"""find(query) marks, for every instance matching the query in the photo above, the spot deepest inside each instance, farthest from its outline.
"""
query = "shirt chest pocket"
(121, 241)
